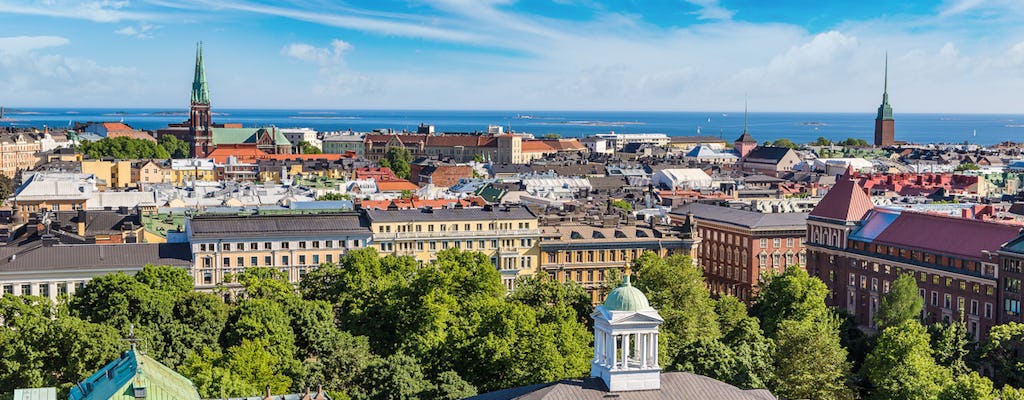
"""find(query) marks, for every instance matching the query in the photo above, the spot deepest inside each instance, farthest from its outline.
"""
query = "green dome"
(626, 298)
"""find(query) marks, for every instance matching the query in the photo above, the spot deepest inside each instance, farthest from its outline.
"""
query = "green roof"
(246, 135)
(200, 90)
(626, 298)
(131, 372)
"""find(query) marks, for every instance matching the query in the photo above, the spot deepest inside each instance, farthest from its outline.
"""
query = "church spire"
(200, 90)
(885, 110)
(744, 113)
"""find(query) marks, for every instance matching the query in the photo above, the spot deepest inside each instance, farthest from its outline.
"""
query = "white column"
(625, 351)
(655, 352)
(597, 346)
(644, 349)
(611, 353)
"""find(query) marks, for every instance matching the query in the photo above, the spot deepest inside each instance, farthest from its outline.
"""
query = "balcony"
(471, 234)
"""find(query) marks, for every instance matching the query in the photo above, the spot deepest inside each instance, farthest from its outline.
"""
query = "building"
(584, 253)
(682, 178)
(110, 174)
(705, 154)
(769, 160)
(134, 375)
(52, 270)
(858, 250)
(204, 136)
(885, 125)
(508, 235)
(625, 364)
(116, 130)
(596, 145)
(293, 243)
(342, 144)
(18, 152)
(503, 148)
(188, 170)
(616, 141)
(738, 247)
(151, 171)
(296, 136)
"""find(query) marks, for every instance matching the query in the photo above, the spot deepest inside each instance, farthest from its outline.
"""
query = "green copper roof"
(247, 135)
(134, 372)
(885, 110)
(626, 298)
(200, 91)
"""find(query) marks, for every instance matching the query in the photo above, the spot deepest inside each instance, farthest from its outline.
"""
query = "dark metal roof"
(768, 153)
(279, 225)
(451, 214)
(743, 218)
(36, 257)
(674, 386)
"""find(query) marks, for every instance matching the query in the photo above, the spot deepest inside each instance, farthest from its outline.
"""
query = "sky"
(945, 56)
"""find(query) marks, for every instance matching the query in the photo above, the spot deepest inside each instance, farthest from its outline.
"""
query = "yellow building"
(110, 174)
(584, 253)
(18, 152)
(508, 235)
(293, 243)
(151, 171)
(192, 170)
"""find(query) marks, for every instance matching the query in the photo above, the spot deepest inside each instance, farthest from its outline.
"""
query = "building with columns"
(626, 364)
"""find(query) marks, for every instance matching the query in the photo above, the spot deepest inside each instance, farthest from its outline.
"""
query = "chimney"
(82, 215)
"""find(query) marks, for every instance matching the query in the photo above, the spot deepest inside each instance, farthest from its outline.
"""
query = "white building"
(596, 145)
(682, 178)
(626, 341)
(617, 141)
(299, 135)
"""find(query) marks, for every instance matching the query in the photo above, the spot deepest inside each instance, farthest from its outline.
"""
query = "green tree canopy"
(785, 143)
(177, 148)
(308, 148)
(123, 148)
(901, 304)
(398, 159)
(901, 364)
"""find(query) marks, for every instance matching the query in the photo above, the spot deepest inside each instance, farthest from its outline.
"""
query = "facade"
(110, 174)
(296, 136)
(500, 148)
(341, 144)
(116, 130)
(616, 141)
(682, 178)
(508, 235)
(738, 247)
(770, 160)
(151, 171)
(583, 254)
(18, 152)
(295, 244)
(188, 170)
(885, 125)
(744, 144)
(858, 250)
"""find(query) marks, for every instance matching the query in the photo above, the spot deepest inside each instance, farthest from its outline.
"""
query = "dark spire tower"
(199, 116)
(745, 143)
(885, 125)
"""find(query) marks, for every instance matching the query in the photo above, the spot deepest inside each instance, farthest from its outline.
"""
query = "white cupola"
(626, 341)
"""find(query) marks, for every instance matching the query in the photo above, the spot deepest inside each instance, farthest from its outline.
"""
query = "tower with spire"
(885, 125)
(199, 119)
(745, 143)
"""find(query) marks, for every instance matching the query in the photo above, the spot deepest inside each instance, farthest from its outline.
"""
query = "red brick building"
(738, 246)
(858, 250)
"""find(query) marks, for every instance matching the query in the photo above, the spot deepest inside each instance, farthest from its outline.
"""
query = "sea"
(982, 129)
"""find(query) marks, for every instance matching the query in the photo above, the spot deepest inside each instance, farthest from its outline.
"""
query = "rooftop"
(743, 218)
(451, 214)
(258, 226)
(674, 386)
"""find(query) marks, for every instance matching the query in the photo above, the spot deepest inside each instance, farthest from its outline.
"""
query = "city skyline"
(944, 56)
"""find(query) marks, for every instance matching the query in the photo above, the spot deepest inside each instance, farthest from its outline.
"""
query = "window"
(252, 261)
(252, 246)
(974, 307)
(302, 260)
(863, 282)
(777, 243)
(853, 279)
(207, 277)
(1012, 307)
(874, 284)
(988, 310)
(316, 259)
(227, 261)
(267, 246)
(207, 262)
(935, 299)
(789, 242)
(302, 244)
(227, 246)
(947, 301)
(284, 260)
(268, 261)
(764, 243)
(284, 245)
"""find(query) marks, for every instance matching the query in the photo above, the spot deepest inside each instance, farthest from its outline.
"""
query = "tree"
(175, 147)
(1002, 348)
(901, 364)
(793, 295)
(785, 143)
(950, 343)
(809, 361)
(334, 196)
(552, 299)
(123, 148)
(398, 159)
(552, 136)
(821, 141)
(612, 279)
(966, 167)
(6, 187)
(901, 304)
(754, 354)
(397, 376)
(969, 387)
(853, 142)
(708, 357)
(308, 148)
(622, 205)
(676, 288)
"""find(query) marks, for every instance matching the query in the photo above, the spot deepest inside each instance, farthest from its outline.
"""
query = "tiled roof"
(846, 201)
(536, 146)
(116, 126)
(222, 226)
(221, 153)
(674, 386)
(963, 237)
(396, 186)
(451, 214)
(744, 218)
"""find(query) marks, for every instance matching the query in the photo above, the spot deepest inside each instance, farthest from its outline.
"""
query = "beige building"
(151, 171)
(295, 244)
(508, 235)
(18, 152)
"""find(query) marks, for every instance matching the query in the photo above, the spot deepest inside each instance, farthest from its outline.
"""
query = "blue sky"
(672, 55)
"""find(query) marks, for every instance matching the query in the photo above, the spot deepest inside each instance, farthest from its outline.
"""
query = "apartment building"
(295, 244)
(508, 235)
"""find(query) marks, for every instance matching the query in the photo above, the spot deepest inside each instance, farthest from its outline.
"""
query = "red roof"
(396, 186)
(116, 126)
(845, 201)
(244, 153)
(324, 156)
(938, 233)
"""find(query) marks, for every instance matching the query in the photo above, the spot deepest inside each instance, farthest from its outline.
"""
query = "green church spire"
(885, 110)
(200, 91)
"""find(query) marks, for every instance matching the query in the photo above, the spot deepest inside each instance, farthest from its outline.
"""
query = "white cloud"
(711, 9)
(97, 11)
(19, 44)
(142, 31)
(334, 78)
(34, 78)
